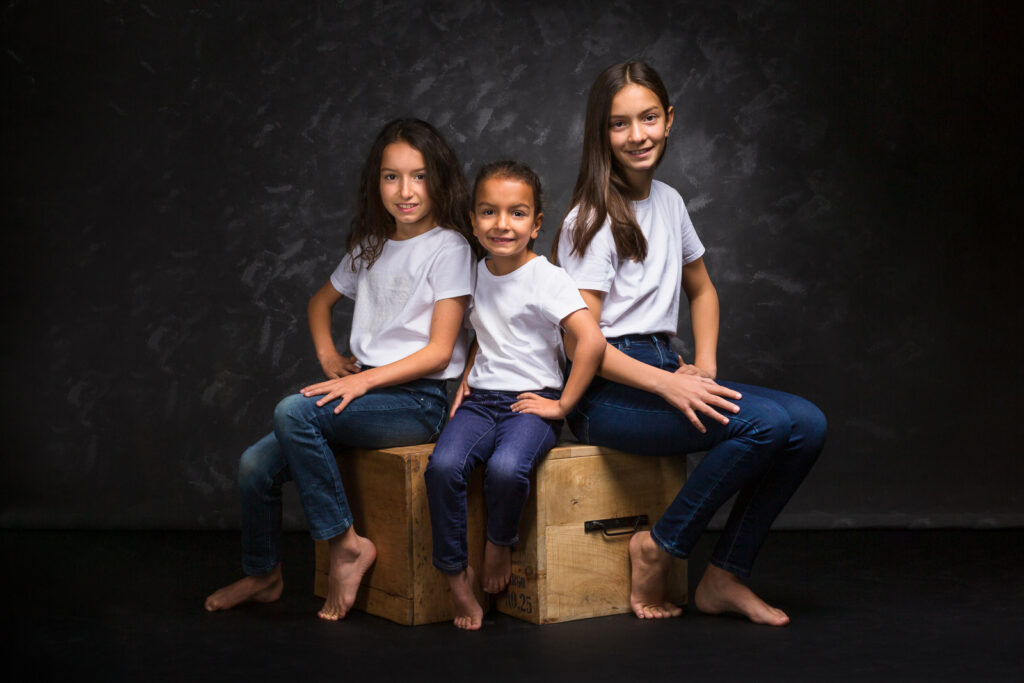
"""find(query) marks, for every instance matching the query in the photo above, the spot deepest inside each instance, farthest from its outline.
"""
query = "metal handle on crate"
(631, 524)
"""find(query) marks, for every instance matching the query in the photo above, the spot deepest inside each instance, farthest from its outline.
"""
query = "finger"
(314, 390)
(341, 406)
(712, 413)
(527, 394)
(456, 402)
(716, 388)
(718, 402)
(694, 420)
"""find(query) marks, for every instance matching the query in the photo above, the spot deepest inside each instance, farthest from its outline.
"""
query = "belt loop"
(626, 342)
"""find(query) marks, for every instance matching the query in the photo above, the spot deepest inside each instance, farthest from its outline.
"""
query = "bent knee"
(765, 422)
(254, 469)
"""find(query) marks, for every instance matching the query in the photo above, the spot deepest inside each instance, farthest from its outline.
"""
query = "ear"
(536, 225)
(670, 116)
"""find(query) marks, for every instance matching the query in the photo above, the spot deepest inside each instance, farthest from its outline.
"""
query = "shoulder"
(446, 238)
(666, 193)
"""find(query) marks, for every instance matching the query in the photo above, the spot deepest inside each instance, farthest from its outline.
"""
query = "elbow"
(438, 360)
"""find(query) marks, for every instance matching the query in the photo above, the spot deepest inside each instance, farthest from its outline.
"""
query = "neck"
(640, 183)
(503, 265)
(403, 231)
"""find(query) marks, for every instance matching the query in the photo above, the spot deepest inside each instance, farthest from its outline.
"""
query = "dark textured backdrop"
(178, 179)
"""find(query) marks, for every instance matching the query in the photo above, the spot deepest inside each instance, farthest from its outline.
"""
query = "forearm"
(704, 315)
(431, 359)
(586, 361)
(618, 367)
(318, 313)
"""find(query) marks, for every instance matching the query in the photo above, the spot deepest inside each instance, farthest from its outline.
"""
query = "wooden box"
(388, 497)
(561, 572)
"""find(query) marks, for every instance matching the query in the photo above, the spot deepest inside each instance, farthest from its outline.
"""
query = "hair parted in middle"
(372, 225)
(602, 190)
(510, 170)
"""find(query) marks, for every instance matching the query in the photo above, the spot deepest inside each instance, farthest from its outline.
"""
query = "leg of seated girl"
(522, 440)
(306, 432)
(261, 471)
(466, 441)
(756, 507)
(737, 454)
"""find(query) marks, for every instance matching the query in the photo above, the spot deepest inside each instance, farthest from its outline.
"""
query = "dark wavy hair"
(602, 190)
(511, 170)
(372, 225)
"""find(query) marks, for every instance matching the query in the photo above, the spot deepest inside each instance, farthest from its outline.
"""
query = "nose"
(502, 220)
(636, 132)
(406, 187)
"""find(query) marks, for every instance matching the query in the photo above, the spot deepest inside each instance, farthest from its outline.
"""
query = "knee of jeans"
(252, 471)
(767, 423)
(290, 410)
(813, 426)
(505, 474)
(443, 471)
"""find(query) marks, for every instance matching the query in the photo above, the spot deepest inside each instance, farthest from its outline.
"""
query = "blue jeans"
(763, 453)
(484, 430)
(300, 449)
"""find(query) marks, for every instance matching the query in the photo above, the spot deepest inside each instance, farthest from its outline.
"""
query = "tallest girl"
(630, 246)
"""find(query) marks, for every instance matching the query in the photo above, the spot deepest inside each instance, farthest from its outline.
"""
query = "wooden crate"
(388, 497)
(559, 571)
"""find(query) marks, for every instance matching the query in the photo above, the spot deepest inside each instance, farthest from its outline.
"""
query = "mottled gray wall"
(178, 179)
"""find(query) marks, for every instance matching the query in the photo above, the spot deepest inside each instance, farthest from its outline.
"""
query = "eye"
(519, 214)
(421, 176)
(617, 124)
(390, 176)
(651, 117)
(486, 212)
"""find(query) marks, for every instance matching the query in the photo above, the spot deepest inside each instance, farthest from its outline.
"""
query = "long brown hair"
(602, 190)
(372, 225)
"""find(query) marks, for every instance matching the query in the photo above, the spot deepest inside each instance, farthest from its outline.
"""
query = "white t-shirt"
(516, 319)
(640, 298)
(395, 298)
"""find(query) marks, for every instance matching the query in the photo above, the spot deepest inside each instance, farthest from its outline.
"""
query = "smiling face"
(403, 190)
(638, 126)
(505, 221)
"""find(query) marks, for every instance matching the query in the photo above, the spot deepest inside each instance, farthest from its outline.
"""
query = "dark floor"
(866, 605)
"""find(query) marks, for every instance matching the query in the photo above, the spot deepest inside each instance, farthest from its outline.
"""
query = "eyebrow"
(393, 170)
(626, 116)
(514, 206)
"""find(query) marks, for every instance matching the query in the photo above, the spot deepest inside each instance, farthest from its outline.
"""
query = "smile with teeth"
(639, 152)
(406, 207)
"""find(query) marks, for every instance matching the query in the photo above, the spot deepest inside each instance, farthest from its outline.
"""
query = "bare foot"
(649, 567)
(497, 567)
(720, 591)
(469, 615)
(350, 556)
(265, 588)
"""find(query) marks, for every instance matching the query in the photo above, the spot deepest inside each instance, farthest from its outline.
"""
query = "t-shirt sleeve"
(693, 249)
(596, 268)
(451, 272)
(559, 295)
(344, 279)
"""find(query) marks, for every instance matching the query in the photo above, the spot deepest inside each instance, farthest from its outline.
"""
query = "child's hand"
(346, 388)
(685, 369)
(337, 365)
(692, 394)
(538, 405)
(461, 393)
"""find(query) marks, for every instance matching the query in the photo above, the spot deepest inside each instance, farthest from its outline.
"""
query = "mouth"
(407, 208)
(500, 240)
(640, 153)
